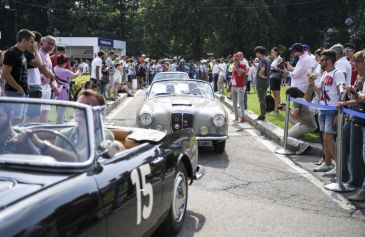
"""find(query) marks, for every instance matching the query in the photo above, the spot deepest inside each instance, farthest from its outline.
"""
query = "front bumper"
(211, 138)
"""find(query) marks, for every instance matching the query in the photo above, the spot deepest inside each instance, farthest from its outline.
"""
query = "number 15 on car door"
(143, 190)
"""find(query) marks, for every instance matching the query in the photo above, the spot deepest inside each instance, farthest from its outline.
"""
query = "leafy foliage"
(190, 28)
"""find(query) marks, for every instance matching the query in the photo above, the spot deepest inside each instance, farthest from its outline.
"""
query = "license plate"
(205, 143)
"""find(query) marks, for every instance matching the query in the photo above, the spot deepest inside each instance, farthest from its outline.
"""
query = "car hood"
(181, 103)
(16, 185)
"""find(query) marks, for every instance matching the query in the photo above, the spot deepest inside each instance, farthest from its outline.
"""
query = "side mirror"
(108, 149)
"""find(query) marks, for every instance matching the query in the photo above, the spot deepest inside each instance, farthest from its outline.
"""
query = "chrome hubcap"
(179, 198)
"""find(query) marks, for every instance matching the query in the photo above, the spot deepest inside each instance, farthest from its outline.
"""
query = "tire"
(175, 219)
(219, 147)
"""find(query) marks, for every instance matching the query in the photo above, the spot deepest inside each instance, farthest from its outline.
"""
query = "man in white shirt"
(222, 67)
(96, 66)
(329, 89)
(299, 73)
(342, 63)
(314, 63)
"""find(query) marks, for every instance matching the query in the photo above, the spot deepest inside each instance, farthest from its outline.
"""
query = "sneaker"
(261, 117)
(358, 197)
(303, 147)
(331, 173)
(323, 168)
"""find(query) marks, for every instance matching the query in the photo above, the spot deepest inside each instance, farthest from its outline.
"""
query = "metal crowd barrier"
(339, 186)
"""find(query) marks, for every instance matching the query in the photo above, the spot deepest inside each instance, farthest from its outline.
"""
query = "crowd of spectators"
(35, 67)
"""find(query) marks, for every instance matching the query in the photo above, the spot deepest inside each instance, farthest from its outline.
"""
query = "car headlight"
(146, 119)
(218, 120)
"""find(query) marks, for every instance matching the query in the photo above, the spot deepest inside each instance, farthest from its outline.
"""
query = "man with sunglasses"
(329, 89)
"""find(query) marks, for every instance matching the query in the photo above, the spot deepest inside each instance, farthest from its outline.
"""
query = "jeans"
(18, 109)
(61, 110)
(261, 93)
(237, 93)
(363, 154)
(356, 166)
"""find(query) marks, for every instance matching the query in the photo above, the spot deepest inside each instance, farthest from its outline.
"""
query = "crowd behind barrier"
(36, 67)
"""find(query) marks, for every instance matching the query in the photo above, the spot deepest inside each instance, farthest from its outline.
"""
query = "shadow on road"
(207, 157)
(193, 223)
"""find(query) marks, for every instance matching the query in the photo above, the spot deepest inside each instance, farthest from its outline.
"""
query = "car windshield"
(45, 132)
(171, 76)
(188, 88)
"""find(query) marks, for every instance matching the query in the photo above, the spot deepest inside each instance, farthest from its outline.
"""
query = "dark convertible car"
(69, 179)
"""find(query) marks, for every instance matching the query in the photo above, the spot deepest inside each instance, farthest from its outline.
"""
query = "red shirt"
(240, 80)
(354, 73)
(54, 61)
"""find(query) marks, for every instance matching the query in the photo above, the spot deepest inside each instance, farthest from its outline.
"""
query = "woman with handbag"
(275, 77)
(63, 78)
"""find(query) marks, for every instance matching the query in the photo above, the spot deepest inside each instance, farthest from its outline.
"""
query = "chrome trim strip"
(220, 138)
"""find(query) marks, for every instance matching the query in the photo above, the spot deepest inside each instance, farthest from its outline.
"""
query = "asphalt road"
(250, 191)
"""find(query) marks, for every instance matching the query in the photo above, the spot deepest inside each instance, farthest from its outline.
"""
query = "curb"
(110, 105)
(273, 132)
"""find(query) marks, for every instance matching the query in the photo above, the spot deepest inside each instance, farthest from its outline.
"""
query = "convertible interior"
(122, 136)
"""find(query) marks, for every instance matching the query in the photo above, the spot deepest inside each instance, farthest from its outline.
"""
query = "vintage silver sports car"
(74, 178)
(172, 105)
(171, 76)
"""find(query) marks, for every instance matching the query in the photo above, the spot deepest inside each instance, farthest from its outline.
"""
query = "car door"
(130, 189)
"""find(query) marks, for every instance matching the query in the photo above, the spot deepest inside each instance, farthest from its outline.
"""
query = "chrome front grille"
(182, 120)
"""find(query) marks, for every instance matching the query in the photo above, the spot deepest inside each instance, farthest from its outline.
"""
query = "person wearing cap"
(314, 63)
(238, 88)
(299, 73)
(342, 63)
(262, 79)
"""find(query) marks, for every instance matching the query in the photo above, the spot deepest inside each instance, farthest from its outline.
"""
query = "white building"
(88, 47)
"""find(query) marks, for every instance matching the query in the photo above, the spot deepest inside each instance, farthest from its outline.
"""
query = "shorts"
(130, 78)
(275, 84)
(34, 110)
(325, 120)
(46, 94)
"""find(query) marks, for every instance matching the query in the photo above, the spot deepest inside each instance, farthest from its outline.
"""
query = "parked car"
(172, 105)
(68, 180)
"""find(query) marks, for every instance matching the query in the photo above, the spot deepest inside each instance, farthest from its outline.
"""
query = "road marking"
(336, 197)
(124, 104)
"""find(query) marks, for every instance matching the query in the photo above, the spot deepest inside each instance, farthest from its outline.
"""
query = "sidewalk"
(274, 132)
(112, 104)
(305, 161)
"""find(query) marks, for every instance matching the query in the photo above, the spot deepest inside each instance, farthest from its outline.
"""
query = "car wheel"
(219, 147)
(175, 219)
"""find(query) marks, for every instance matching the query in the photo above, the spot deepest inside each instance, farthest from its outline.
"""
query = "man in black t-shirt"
(15, 70)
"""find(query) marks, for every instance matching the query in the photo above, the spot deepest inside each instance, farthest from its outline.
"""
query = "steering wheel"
(37, 151)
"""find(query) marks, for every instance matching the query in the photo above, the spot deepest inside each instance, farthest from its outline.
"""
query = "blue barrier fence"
(327, 107)
(338, 186)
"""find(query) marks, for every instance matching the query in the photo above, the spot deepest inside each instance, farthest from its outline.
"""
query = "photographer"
(238, 88)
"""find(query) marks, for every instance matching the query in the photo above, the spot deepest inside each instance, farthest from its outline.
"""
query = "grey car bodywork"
(196, 109)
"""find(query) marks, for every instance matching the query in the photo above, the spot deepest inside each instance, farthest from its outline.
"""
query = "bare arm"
(9, 79)
(262, 73)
